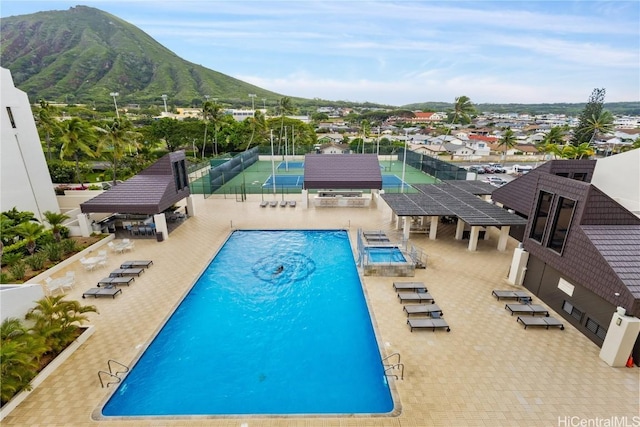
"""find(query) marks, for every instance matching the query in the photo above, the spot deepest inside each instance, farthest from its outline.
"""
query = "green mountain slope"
(83, 54)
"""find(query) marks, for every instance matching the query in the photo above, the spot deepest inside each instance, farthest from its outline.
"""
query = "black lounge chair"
(122, 280)
(432, 310)
(119, 272)
(432, 324)
(137, 264)
(531, 309)
(415, 297)
(517, 295)
(409, 286)
(540, 321)
(110, 291)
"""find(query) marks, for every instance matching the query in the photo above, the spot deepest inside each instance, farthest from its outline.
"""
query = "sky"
(398, 52)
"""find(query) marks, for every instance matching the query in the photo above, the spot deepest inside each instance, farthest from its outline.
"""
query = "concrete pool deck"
(488, 371)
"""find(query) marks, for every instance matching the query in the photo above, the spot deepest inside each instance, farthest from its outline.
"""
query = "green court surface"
(253, 178)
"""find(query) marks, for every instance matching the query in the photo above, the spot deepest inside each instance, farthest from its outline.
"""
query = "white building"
(24, 177)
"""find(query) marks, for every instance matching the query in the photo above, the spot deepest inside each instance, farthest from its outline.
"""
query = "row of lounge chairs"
(524, 306)
(125, 275)
(375, 237)
(420, 316)
(274, 203)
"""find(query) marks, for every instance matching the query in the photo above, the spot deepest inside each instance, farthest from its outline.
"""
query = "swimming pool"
(249, 340)
(381, 255)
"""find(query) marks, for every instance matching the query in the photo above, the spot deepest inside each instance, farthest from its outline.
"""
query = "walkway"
(488, 371)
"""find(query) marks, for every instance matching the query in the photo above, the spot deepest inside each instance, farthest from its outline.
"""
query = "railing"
(112, 374)
(393, 366)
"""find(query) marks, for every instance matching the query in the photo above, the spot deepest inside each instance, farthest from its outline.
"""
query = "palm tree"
(76, 137)
(599, 123)
(462, 111)
(47, 124)
(577, 151)
(118, 135)
(29, 231)
(285, 107)
(55, 220)
(507, 141)
(20, 352)
(211, 112)
(58, 320)
(258, 125)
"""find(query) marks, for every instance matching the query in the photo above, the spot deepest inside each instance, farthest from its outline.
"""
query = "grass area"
(257, 174)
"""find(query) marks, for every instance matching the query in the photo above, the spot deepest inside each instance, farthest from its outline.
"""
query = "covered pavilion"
(150, 193)
(456, 200)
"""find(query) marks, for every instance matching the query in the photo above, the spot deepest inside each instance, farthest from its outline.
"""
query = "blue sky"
(399, 52)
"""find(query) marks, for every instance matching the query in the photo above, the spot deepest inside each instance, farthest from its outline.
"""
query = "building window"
(580, 176)
(180, 175)
(541, 215)
(594, 327)
(11, 119)
(563, 174)
(571, 310)
(561, 222)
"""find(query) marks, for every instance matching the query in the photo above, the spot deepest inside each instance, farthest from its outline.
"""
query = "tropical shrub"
(19, 355)
(69, 246)
(53, 251)
(58, 320)
(10, 258)
(18, 270)
(37, 261)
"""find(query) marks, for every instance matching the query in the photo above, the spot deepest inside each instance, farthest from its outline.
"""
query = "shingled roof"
(152, 191)
(342, 171)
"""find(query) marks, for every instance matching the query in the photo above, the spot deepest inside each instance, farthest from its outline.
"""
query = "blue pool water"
(249, 340)
(382, 255)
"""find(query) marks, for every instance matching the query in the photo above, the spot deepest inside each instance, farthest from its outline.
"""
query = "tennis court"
(285, 181)
(290, 165)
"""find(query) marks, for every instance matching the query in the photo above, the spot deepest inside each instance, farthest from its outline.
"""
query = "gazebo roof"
(342, 171)
(152, 191)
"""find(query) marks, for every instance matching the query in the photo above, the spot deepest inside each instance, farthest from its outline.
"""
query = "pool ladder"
(389, 366)
(112, 375)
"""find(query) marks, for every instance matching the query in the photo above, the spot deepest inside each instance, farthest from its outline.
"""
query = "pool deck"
(488, 371)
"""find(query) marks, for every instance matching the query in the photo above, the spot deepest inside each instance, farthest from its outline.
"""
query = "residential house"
(583, 246)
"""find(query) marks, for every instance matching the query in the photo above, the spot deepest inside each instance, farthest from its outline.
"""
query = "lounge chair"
(432, 324)
(120, 272)
(283, 204)
(114, 248)
(126, 280)
(292, 203)
(263, 204)
(273, 203)
(431, 310)
(415, 297)
(540, 321)
(137, 264)
(409, 286)
(517, 295)
(101, 292)
(531, 309)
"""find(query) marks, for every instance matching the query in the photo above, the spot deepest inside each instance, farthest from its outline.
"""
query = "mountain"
(83, 54)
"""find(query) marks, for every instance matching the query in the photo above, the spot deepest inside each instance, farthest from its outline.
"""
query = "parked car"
(495, 180)
(477, 169)
(497, 168)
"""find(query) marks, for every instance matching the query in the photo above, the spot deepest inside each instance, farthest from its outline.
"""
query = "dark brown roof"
(150, 192)
(453, 198)
(619, 245)
(342, 171)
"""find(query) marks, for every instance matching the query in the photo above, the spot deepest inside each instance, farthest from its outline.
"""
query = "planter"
(48, 370)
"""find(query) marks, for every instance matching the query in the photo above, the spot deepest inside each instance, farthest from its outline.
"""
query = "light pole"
(164, 99)
(273, 166)
(114, 94)
(253, 97)
(404, 160)
(264, 104)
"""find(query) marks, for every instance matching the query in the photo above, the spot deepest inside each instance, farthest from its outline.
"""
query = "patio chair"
(89, 266)
(70, 279)
(292, 203)
(114, 248)
(102, 256)
(264, 204)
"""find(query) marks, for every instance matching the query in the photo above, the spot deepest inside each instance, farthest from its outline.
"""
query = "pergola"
(456, 199)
